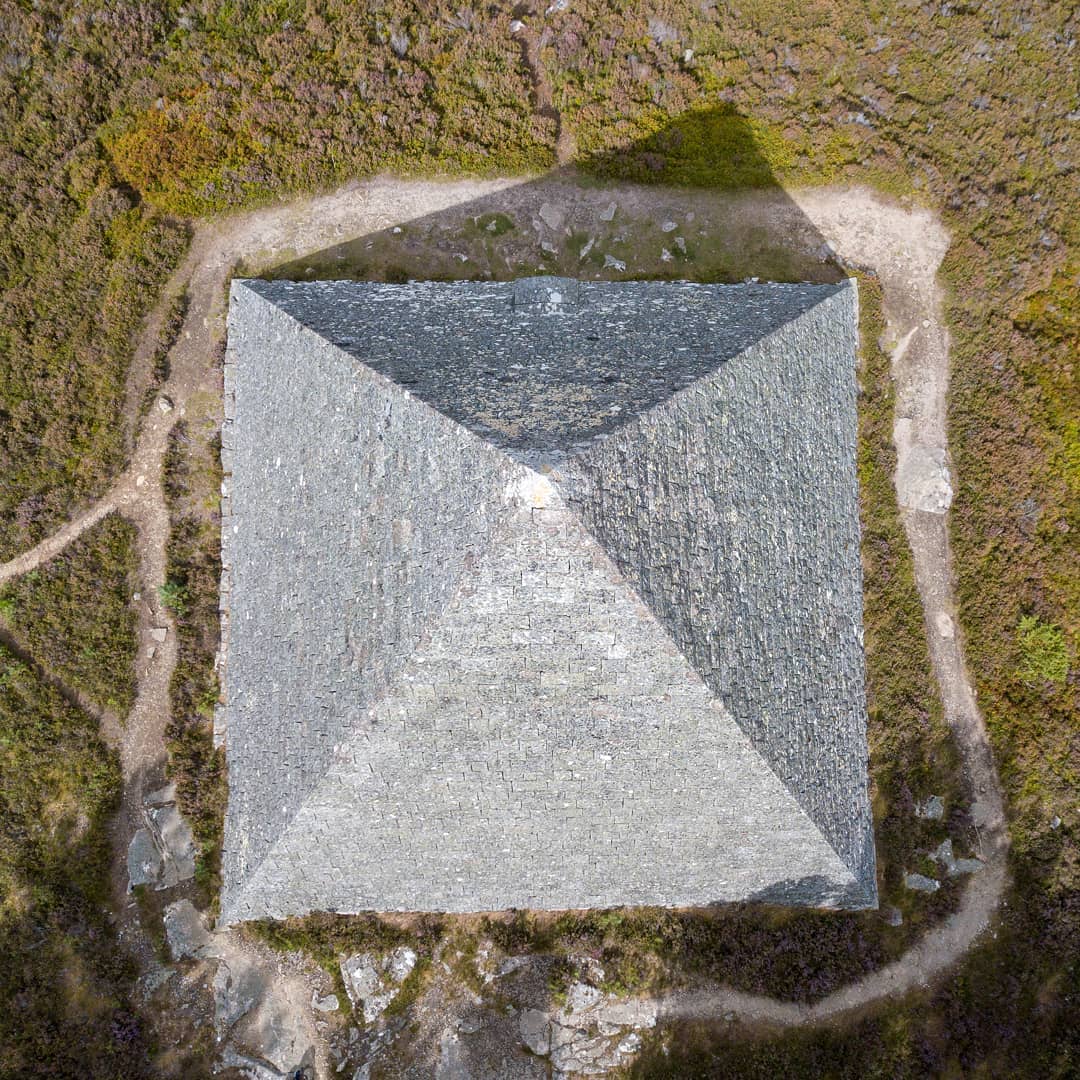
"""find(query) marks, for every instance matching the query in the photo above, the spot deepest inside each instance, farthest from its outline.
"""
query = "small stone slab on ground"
(177, 845)
(162, 796)
(238, 987)
(966, 866)
(144, 860)
(275, 1032)
(185, 930)
(921, 883)
(535, 1027)
(932, 810)
(943, 855)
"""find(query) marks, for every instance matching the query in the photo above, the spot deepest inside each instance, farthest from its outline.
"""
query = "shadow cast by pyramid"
(696, 201)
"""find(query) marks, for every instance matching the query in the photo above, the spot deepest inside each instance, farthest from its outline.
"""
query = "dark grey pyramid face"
(542, 595)
(542, 367)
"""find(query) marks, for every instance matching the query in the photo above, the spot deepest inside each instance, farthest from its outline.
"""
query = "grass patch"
(76, 615)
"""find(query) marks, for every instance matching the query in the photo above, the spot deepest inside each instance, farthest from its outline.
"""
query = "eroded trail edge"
(902, 247)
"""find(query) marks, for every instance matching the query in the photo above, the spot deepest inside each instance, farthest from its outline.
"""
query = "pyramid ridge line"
(556, 504)
(555, 412)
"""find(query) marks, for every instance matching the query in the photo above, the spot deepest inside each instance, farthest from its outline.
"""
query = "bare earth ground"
(903, 247)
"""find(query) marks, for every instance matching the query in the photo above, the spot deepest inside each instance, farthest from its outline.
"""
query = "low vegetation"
(192, 490)
(65, 986)
(76, 614)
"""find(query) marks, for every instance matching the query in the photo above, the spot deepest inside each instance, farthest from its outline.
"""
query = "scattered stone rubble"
(372, 982)
(592, 1033)
(933, 809)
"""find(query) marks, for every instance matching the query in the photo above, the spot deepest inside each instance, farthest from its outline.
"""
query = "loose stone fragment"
(966, 866)
(535, 1030)
(921, 883)
(143, 859)
(184, 930)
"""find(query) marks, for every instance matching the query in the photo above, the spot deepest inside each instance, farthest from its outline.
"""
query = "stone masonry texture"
(541, 595)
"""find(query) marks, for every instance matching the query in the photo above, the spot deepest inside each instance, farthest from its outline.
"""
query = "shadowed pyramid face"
(542, 595)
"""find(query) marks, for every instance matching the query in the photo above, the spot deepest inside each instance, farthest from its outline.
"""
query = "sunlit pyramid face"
(542, 595)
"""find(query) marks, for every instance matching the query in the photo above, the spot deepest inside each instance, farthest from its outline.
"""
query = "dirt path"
(904, 248)
(532, 43)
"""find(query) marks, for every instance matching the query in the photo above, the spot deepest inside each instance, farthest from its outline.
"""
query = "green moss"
(1044, 652)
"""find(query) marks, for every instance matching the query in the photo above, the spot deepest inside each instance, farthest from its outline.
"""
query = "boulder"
(943, 855)
(966, 866)
(552, 216)
(535, 1028)
(164, 795)
(372, 982)
(237, 987)
(275, 1032)
(176, 843)
(581, 997)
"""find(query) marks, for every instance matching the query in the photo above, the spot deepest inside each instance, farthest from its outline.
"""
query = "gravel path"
(903, 247)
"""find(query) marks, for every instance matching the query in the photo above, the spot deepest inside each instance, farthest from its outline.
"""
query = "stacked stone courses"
(541, 595)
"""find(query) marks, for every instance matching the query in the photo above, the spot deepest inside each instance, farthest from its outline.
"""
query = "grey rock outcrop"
(372, 981)
(186, 932)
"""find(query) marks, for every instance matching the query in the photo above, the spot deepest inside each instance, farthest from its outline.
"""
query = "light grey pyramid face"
(542, 595)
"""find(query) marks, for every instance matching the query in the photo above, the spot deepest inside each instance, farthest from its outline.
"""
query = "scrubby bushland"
(75, 615)
(192, 491)
(65, 985)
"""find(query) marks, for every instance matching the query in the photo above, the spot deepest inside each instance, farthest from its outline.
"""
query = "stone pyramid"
(541, 595)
